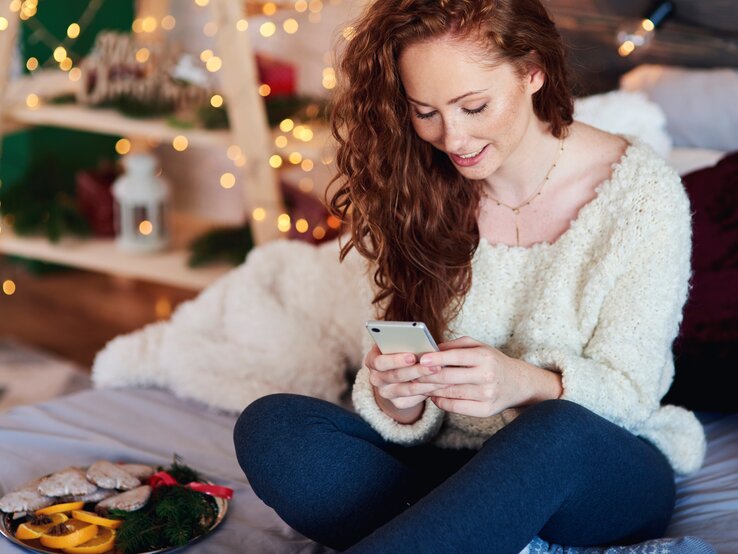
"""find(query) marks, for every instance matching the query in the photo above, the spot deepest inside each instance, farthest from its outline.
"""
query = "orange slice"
(74, 533)
(28, 531)
(103, 542)
(56, 508)
(92, 517)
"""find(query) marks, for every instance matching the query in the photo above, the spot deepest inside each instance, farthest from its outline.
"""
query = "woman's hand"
(395, 380)
(482, 381)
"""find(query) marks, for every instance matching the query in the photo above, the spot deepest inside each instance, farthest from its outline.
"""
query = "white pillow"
(627, 113)
(701, 105)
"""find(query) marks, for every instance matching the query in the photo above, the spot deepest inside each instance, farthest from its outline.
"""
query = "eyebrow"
(452, 101)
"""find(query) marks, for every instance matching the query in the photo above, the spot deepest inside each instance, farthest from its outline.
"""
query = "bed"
(177, 386)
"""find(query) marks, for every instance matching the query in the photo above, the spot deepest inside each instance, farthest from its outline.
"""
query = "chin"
(477, 172)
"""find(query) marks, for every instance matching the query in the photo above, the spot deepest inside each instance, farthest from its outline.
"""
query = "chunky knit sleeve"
(408, 434)
(626, 366)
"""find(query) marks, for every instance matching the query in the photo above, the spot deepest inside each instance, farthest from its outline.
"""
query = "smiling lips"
(470, 159)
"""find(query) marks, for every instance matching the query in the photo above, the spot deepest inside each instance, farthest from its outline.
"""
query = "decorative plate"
(8, 527)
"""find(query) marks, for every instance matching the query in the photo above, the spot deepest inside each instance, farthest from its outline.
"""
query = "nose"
(454, 138)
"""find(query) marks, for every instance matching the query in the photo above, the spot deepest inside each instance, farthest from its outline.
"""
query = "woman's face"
(475, 113)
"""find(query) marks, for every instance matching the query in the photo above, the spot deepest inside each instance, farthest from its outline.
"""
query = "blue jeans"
(558, 471)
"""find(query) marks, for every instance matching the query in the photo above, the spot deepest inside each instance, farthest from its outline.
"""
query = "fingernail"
(425, 360)
(410, 359)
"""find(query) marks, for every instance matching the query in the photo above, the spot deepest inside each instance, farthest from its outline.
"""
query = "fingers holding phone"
(393, 361)
(394, 377)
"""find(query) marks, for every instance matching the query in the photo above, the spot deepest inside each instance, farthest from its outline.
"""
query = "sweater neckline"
(582, 214)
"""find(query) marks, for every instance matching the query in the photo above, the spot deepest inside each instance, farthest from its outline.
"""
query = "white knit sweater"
(602, 305)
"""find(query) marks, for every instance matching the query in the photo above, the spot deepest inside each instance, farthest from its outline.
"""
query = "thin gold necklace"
(516, 209)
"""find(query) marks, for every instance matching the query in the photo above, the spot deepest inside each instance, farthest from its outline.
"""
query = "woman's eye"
(428, 115)
(475, 111)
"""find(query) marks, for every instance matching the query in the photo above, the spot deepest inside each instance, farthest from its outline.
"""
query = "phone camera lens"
(375, 330)
(414, 323)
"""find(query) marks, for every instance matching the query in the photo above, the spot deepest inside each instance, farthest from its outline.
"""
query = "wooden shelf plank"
(167, 267)
(110, 122)
(47, 84)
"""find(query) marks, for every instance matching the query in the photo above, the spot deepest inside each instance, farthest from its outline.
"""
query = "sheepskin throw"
(289, 319)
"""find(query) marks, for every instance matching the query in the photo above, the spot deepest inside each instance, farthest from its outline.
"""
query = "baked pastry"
(128, 501)
(107, 475)
(25, 499)
(63, 483)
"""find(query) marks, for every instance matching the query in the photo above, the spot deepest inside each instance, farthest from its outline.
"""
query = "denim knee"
(262, 431)
(571, 424)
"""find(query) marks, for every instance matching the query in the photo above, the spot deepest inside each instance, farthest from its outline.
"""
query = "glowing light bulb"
(73, 30)
(270, 8)
(333, 222)
(267, 29)
(216, 100)
(275, 161)
(283, 223)
(265, 90)
(32, 64)
(637, 35)
(168, 22)
(149, 24)
(307, 165)
(227, 180)
(60, 53)
(180, 143)
(142, 55)
(123, 146)
(301, 5)
(281, 141)
(242, 25)
(290, 26)
(318, 233)
(259, 214)
(145, 227)
(233, 152)
(32, 101)
(286, 125)
(75, 74)
(214, 64)
(3, 23)
(8, 287)
(301, 225)
(295, 158)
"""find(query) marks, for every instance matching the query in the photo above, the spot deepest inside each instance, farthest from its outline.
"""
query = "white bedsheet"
(108, 423)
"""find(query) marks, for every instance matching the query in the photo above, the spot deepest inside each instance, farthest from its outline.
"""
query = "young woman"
(553, 260)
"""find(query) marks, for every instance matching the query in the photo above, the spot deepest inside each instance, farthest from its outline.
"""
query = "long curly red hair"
(409, 210)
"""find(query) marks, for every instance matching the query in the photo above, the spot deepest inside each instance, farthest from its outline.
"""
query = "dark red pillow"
(706, 351)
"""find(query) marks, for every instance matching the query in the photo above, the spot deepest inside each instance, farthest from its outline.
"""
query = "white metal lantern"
(141, 205)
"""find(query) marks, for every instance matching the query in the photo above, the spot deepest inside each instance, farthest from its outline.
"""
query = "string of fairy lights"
(62, 55)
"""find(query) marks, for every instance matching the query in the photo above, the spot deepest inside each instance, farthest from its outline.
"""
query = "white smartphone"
(393, 337)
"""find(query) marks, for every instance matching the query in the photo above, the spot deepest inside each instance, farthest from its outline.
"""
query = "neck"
(525, 168)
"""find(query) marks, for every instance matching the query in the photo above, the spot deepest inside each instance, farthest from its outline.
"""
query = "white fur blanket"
(289, 319)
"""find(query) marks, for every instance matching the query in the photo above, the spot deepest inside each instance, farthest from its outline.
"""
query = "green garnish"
(173, 516)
